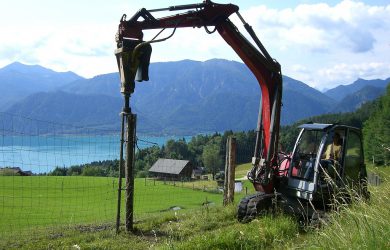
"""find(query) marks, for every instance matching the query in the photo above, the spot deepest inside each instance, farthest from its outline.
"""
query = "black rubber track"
(254, 205)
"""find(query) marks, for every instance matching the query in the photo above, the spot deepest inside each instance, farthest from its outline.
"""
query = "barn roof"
(168, 166)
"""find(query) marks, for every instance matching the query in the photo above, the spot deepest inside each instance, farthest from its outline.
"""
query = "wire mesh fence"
(55, 174)
(40, 146)
(36, 190)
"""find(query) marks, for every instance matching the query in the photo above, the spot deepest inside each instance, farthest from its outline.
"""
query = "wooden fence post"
(225, 182)
(230, 167)
(129, 170)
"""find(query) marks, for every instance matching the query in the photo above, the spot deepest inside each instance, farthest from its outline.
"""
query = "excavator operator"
(333, 150)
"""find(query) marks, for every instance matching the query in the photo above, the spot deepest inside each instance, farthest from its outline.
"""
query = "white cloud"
(348, 25)
(84, 49)
(349, 72)
(319, 44)
(333, 44)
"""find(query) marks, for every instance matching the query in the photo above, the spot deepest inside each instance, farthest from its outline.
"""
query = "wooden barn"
(171, 169)
(14, 171)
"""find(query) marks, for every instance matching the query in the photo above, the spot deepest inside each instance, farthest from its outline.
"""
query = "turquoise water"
(41, 154)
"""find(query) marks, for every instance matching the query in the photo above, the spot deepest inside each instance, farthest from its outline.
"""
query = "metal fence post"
(120, 167)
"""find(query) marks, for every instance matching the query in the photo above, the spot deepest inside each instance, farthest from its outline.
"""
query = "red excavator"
(326, 158)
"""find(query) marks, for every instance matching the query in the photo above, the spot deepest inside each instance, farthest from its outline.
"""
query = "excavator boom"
(205, 14)
(266, 70)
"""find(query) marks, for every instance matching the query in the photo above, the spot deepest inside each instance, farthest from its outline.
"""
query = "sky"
(322, 43)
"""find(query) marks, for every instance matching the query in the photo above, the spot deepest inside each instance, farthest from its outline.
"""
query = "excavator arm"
(267, 71)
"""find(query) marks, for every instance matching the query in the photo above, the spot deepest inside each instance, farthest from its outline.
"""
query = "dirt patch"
(93, 228)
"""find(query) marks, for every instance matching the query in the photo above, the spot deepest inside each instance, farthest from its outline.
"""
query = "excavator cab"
(326, 158)
(327, 163)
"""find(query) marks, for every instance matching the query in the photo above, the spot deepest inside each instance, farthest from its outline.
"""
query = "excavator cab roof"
(316, 126)
(325, 126)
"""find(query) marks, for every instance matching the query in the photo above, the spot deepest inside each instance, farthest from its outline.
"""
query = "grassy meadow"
(362, 225)
(34, 201)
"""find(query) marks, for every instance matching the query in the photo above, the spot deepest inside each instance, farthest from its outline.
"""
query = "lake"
(41, 154)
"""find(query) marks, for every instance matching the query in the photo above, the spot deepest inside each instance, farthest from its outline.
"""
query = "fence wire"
(48, 177)
(32, 149)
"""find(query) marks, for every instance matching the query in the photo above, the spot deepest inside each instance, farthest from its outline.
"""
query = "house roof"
(168, 166)
(15, 169)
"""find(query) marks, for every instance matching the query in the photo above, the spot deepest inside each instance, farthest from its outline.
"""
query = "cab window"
(305, 155)
(353, 156)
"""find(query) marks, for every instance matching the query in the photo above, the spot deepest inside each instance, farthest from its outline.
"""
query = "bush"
(93, 171)
(142, 174)
(58, 171)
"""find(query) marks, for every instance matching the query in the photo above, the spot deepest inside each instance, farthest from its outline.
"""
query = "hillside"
(65, 108)
(377, 132)
(341, 91)
(354, 101)
(107, 84)
(18, 80)
(361, 226)
(183, 97)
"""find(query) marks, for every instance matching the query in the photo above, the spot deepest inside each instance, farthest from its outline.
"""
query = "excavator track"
(261, 203)
(254, 205)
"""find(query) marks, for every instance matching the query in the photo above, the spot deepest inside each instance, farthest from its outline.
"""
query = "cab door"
(332, 157)
(354, 168)
(330, 165)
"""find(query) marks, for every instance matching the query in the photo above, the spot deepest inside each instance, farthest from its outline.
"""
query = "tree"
(58, 171)
(376, 132)
(195, 147)
(75, 170)
(288, 134)
(211, 157)
(177, 149)
(93, 171)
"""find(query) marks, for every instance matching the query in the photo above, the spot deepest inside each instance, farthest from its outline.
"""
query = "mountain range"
(183, 97)
(18, 81)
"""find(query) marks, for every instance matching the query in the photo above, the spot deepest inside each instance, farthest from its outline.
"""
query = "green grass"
(27, 201)
(34, 201)
(242, 170)
(359, 226)
(199, 184)
(205, 228)
(362, 225)
(157, 196)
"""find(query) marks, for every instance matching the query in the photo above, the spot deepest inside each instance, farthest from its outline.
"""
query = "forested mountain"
(341, 91)
(356, 118)
(107, 84)
(301, 101)
(376, 132)
(66, 108)
(353, 101)
(208, 151)
(184, 97)
(373, 117)
(18, 80)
